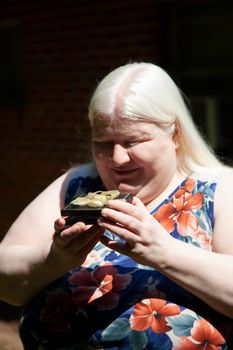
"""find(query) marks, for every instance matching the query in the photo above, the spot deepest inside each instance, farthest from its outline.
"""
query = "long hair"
(144, 91)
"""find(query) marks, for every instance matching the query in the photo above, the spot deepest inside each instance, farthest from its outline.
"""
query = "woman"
(151, 274)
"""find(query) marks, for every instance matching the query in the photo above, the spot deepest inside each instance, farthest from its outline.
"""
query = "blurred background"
(52, 54)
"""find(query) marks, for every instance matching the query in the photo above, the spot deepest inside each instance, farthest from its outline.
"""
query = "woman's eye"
(103, 143)
(132, 143)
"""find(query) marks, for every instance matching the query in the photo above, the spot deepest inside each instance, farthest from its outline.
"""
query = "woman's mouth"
(124, 172)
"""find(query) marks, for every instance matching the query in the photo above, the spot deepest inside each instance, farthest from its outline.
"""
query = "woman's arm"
(30, 256)
(206, 274)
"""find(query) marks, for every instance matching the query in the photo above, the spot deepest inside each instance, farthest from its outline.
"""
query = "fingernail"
(103, 212)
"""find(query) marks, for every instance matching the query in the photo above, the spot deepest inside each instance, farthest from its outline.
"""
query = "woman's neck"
(173, 184)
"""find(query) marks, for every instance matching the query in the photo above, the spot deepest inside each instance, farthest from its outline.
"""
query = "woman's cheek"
(144, 154)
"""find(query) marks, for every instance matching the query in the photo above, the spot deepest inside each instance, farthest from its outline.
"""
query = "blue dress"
(111, 302)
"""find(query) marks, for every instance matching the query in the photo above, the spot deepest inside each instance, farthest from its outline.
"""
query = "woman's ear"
(176, 135)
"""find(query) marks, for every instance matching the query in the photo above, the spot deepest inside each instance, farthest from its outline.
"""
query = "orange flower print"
(203, 337)
(179, 210)
(101, 286)
(152, 313)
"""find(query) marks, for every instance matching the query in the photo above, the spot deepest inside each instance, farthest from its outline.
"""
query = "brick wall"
(67, 46)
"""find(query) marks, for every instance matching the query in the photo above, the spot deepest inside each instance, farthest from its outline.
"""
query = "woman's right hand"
(72, 244)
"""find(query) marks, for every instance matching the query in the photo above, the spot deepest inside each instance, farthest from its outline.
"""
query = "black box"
(74, 213)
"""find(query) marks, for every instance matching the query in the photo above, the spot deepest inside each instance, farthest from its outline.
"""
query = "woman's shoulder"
(225, 184)
(212, 174)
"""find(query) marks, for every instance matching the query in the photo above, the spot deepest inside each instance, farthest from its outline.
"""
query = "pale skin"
(143, 162)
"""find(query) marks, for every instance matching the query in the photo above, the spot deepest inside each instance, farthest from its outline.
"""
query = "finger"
(138, 203)
(115, 245)
(119, 230)
(74, 230)
(59, 224)
(63, 236)
(135, 209)
(79, 232)
(85, 235)
(86, 240)
(119, 217)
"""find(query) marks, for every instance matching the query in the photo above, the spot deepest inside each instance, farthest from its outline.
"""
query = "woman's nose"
(120, 155)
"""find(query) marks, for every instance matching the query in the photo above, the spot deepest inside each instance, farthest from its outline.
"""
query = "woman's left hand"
(145, 239)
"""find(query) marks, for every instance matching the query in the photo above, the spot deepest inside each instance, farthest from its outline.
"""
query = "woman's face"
(133, 156)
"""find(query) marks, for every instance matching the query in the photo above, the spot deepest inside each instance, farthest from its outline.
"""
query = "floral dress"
(111, 302)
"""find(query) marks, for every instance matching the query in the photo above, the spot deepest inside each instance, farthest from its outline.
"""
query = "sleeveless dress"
(111, 302)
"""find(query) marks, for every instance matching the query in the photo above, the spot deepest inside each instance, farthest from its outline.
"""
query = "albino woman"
(152, 274)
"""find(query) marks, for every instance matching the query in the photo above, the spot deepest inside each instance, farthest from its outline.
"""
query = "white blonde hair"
(146, 92)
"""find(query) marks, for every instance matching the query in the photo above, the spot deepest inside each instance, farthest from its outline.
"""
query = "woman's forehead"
(121, 125)
(112, 121)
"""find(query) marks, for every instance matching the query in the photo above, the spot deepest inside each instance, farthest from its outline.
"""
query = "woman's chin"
(127, 188)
